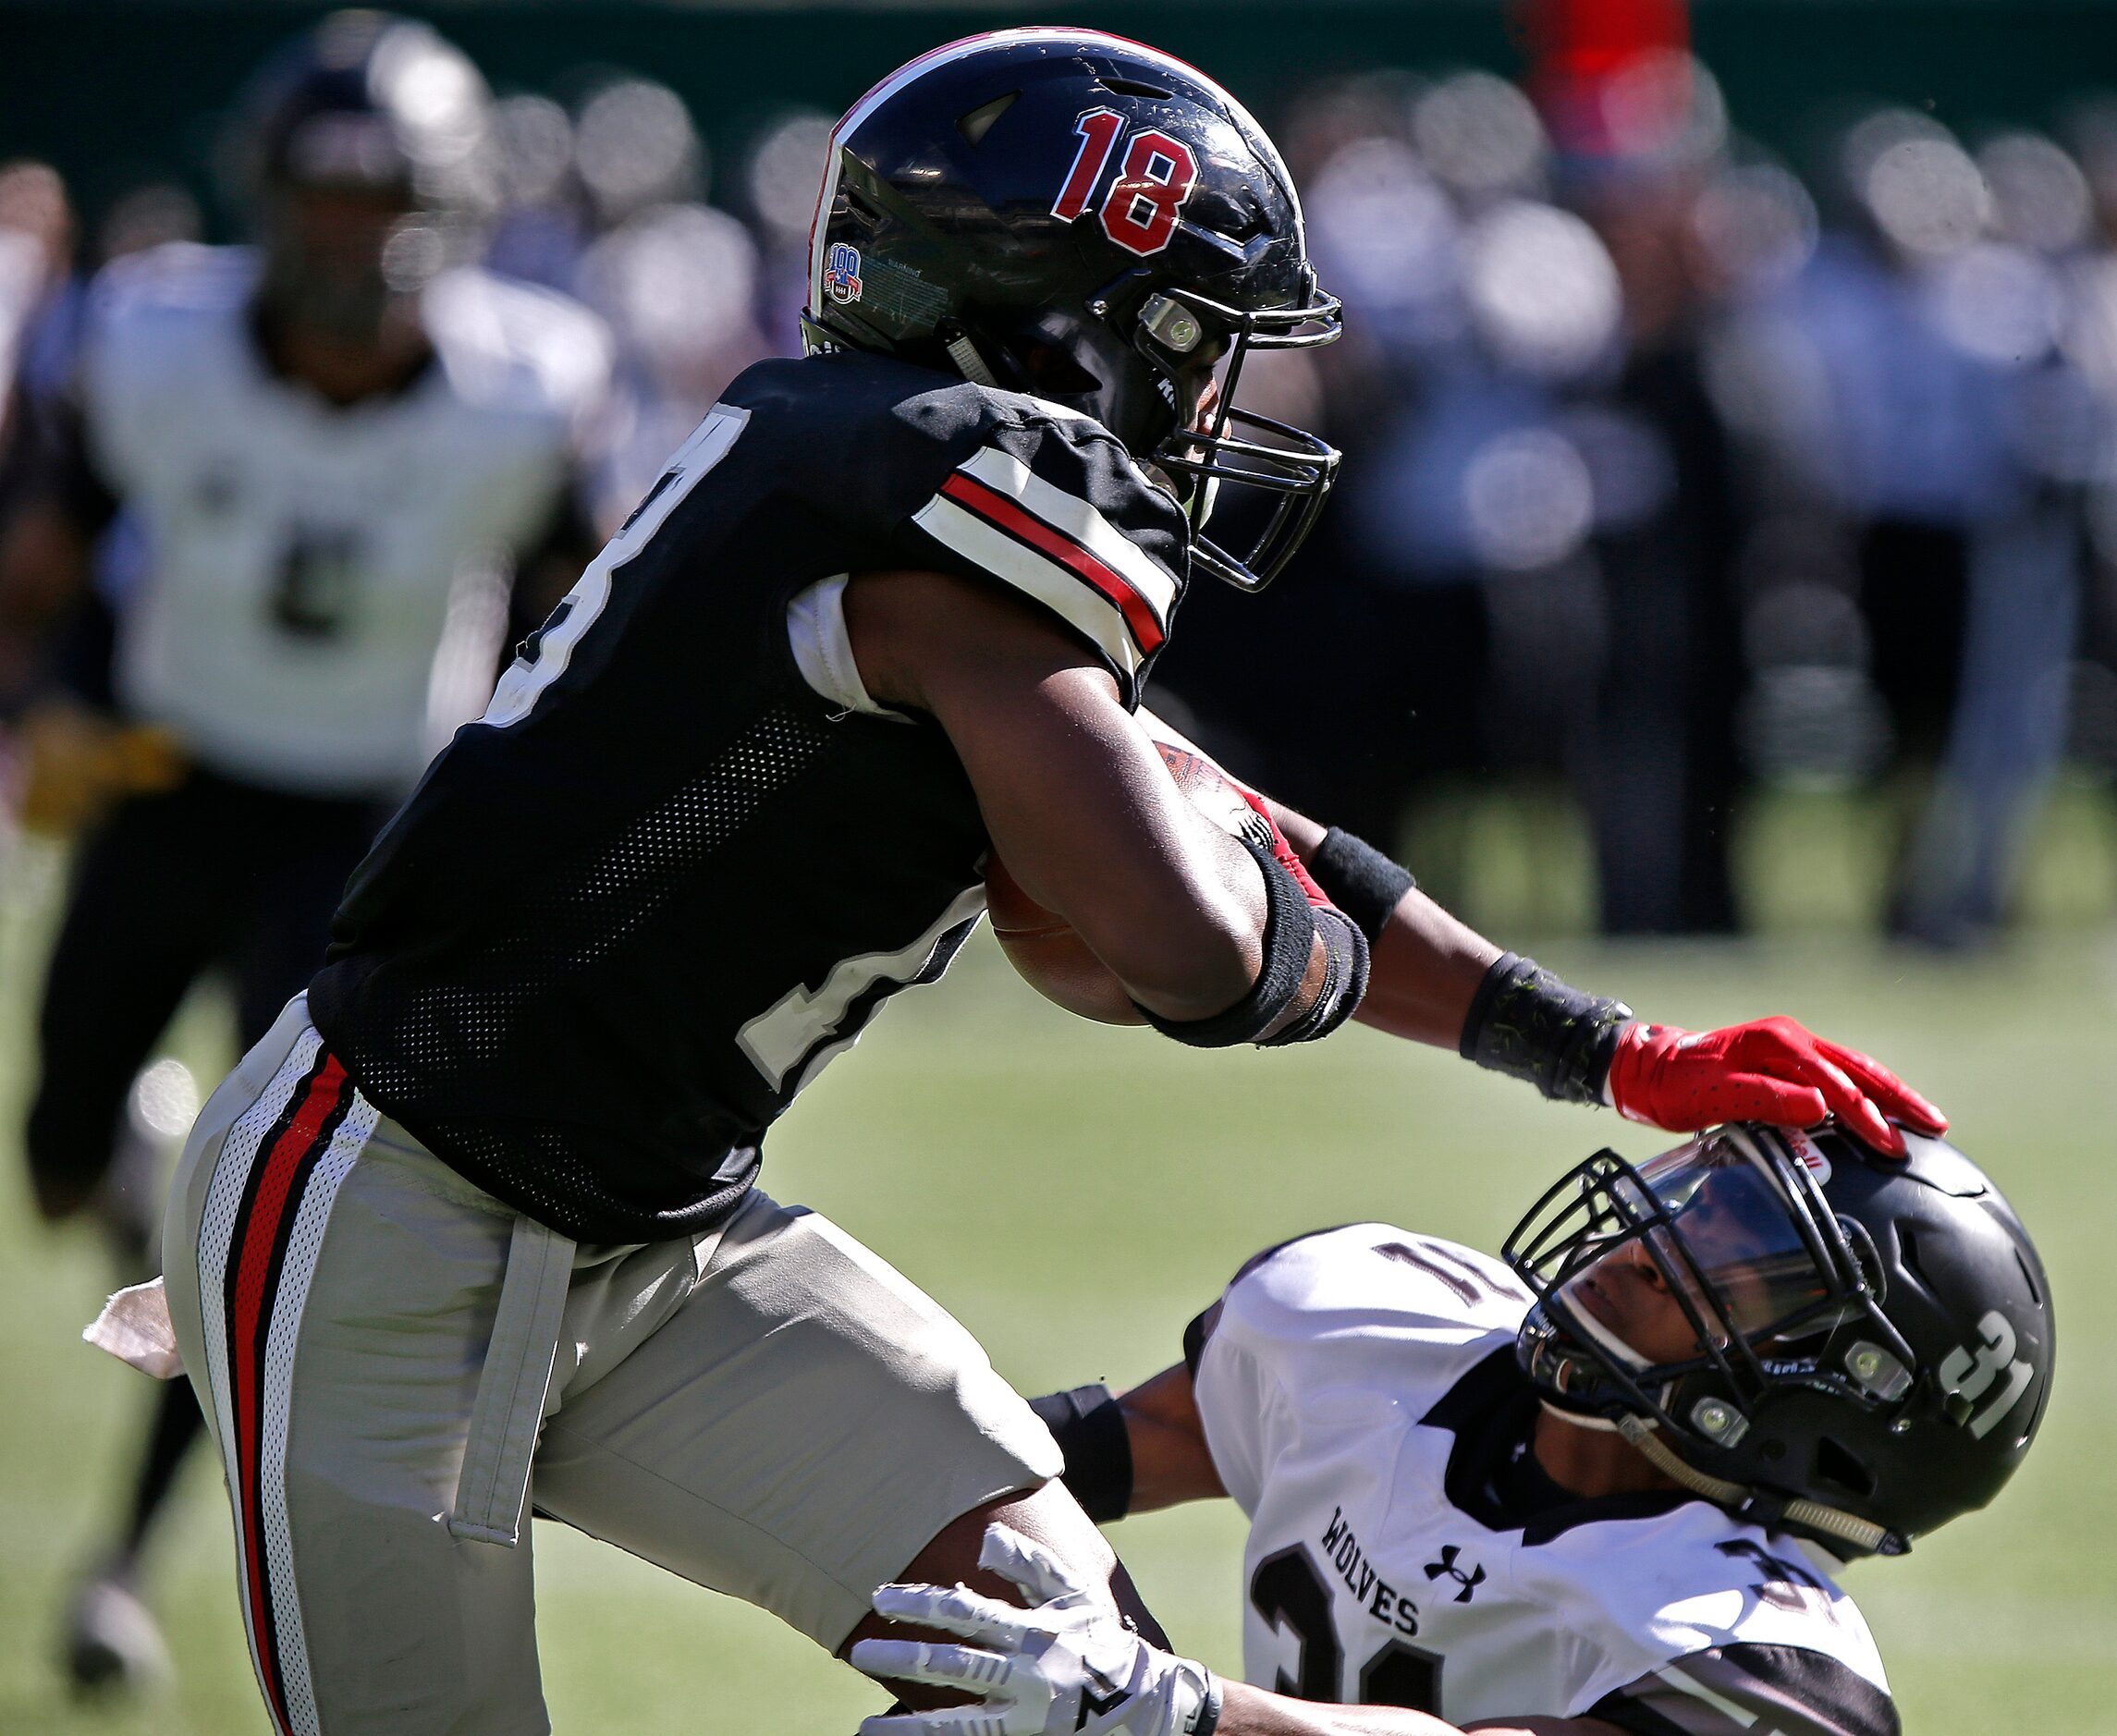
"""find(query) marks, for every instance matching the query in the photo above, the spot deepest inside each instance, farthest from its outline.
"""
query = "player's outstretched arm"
(1209, 936)
(1063, 1664)
(1434, 980)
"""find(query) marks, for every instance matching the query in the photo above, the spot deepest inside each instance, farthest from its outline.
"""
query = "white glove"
(1066, 1666)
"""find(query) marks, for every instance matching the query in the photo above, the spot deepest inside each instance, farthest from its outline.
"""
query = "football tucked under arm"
(1315, 958)
(1049, 954)
(1216, 936)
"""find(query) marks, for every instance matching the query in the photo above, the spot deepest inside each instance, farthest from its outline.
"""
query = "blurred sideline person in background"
(36, 261)
(1659, 489)
(2092, 727)
(1605, 1484)
(1923, 402)
(608, 203)
(331, 455)
(1532, 576)
(882, 619)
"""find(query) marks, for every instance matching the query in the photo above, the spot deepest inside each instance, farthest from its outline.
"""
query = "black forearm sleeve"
(1358, 879)
(1344, 986)
(1526, 1024)
(1291, 928)
(1089, 1427)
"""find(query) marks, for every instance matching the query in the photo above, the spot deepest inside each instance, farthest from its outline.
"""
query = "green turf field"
(1074, 1194)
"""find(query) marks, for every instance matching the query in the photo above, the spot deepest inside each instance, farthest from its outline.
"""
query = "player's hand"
(1771, 1070)
(1066, 1664)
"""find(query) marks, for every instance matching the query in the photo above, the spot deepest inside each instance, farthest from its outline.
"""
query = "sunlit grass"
(1075, 1193)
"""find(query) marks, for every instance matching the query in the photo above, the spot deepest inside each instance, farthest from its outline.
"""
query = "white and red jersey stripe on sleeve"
(995, 512)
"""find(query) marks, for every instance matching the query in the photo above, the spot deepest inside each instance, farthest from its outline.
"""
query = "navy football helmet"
(1069, 215)
(381, 110)
(1865, 1344)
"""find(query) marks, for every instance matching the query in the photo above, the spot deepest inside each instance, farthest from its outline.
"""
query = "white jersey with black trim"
(1361, 1403)
(315, 573)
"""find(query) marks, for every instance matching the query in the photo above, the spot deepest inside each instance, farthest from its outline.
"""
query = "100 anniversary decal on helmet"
(1094, 223)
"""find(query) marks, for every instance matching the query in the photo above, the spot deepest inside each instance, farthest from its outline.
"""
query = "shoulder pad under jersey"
(1369, 1314)
(964, 479)
(517, 346)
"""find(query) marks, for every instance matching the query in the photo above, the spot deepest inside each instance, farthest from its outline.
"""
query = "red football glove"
(1772, 1070)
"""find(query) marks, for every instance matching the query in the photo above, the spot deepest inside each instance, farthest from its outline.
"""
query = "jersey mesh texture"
(588, 912)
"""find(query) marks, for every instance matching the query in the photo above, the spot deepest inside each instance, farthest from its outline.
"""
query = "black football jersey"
(673, 869)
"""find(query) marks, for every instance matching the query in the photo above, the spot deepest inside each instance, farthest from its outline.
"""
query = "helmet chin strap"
(1580, 1419)
(1862, 1533)
(969, 363)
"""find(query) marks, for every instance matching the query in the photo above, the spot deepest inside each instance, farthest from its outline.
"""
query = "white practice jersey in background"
(295, 621)
(1343, 1375)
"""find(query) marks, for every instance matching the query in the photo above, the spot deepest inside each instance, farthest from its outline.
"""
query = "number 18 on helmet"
(1090, 221)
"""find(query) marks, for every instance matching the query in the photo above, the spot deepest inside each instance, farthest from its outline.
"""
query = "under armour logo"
(1093, 1704)
(1470, 1582)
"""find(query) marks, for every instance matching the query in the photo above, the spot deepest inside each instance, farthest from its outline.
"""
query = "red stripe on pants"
(253, 1291)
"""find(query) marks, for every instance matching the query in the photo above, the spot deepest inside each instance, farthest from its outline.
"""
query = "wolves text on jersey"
(1370, 1589)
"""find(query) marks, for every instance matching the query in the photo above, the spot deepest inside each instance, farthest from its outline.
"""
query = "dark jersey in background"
(628, 913)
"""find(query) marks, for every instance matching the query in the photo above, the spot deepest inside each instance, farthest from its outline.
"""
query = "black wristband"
(1290, 934)
(1358, 879)
(1089, 1427)
(1526, 1024)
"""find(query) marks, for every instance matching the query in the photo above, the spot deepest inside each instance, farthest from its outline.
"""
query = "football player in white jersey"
(1604, 1484)
(337, 449)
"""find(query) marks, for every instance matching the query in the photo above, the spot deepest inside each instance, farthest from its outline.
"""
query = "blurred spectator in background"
(784, 169)
(1934, 443)
(1641, 142)
(41, 290)
(1528, 573)
(330, 455)
(677, 279)
(608, 203)
(36, 263)
(2090, 341)
(1655, 485)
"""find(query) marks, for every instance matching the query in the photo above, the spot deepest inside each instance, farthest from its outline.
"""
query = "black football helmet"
(1871, 1339)
(1067, 213)
(373, 104)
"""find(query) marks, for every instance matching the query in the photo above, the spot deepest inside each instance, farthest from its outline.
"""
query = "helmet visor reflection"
(1724, 1238)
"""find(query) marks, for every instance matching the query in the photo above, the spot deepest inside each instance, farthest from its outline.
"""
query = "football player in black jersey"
(887, 615)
